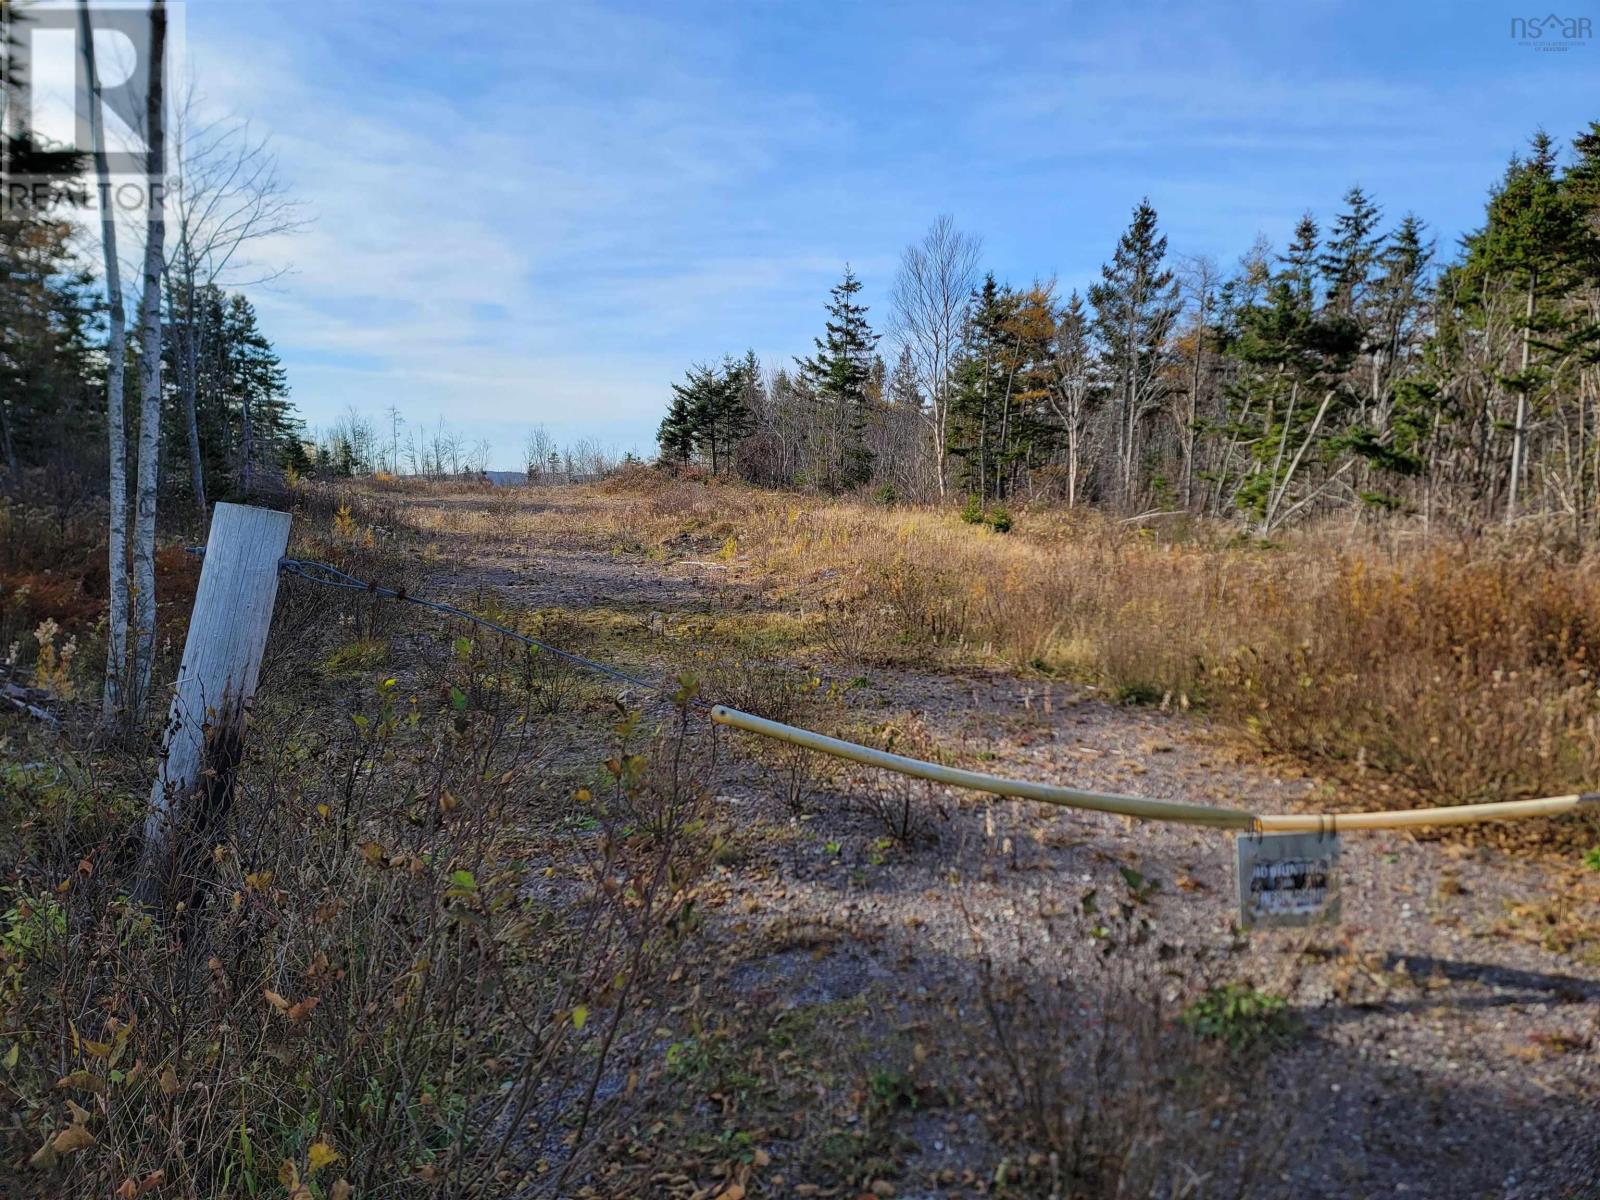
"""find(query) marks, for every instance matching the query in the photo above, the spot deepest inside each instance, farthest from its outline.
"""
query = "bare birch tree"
(929, 302)
(227, 195)
(1075, 392)
(536, 453)
(116, 365)
(149, 463)
(1199, 281)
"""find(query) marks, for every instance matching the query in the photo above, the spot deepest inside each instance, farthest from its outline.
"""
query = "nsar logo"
(1552, 32)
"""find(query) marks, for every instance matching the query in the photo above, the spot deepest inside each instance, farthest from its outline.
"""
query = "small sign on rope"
(1288, 879)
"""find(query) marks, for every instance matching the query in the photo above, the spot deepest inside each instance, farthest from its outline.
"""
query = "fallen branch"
(24, 698)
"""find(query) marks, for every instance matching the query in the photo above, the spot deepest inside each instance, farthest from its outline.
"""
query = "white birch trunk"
(1519, 432)
(116, 421)
(144, 529)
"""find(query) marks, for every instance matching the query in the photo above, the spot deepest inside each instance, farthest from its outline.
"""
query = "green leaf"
(580, 1016)
(458, 699)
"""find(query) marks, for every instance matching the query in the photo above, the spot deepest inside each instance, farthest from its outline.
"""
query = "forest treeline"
(1356, 368)
(226, 415)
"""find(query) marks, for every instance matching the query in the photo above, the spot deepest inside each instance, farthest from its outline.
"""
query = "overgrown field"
(1450, 669)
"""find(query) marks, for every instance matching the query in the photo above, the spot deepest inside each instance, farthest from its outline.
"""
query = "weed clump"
(1240, 1016)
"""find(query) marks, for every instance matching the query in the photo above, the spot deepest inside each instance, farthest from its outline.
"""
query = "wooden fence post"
(204, 735)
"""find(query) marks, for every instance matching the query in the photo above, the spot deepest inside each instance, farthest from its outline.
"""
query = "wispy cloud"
(543, 212)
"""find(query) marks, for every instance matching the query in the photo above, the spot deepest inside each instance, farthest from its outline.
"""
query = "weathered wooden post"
(204, 736)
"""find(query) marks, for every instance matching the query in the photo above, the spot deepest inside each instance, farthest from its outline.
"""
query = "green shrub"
(1241, 1016)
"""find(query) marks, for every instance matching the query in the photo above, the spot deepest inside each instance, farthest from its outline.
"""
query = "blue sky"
(530, 212)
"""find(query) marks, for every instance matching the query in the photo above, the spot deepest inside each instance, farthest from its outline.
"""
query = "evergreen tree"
(247, 430)
(839, 375)
(984, 374)
(256, 384)
(725, 416)
(1135, 305)
(676, 435)
(1300, 261)
(1350, 252)
(1292, 391)
(1398, 407)
(51, 381)
(712, 411)
(1510, 313)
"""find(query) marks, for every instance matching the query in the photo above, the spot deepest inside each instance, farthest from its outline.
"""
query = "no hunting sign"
(1288, 878)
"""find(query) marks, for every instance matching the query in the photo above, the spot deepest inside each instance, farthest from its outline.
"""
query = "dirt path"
(1447, 1030)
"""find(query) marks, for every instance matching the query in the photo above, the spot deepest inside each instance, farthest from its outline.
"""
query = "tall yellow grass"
(1463, 669)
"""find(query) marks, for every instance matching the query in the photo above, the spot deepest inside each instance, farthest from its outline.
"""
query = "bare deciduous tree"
(1075, 392)
(929, 314)
(149, 461)
(228, 194)
(116, 365)
(536, 453)
(1199, 282)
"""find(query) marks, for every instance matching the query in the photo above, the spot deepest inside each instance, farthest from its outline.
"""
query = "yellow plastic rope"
(1144, 807)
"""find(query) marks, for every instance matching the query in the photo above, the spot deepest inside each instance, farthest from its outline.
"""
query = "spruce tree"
(1530, 245)
(1289, 399)
(982, 377)
(1399, 407)
(839, 375)
(1300, 261)
(1350, 252)
(257, 385)
(677, 435)
(711, 411)
(725, 417)
(1135, 305)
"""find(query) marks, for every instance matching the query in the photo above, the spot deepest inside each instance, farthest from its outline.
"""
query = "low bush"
(907, 809)
(377, 971)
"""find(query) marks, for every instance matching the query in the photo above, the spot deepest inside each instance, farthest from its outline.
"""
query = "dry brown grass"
(1460, 670)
